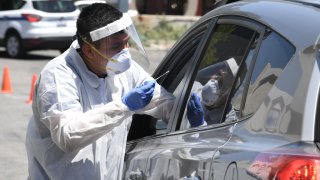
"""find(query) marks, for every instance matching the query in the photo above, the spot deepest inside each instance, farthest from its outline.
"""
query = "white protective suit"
(80, 125)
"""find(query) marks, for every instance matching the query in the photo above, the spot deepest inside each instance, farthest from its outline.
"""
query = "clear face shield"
(118, 43)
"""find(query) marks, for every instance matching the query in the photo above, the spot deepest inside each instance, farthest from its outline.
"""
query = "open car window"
(177, 64)
(216, 73)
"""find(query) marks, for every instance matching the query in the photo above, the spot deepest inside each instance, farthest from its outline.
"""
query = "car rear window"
(11, 5)
(274, 54)
(54, 6)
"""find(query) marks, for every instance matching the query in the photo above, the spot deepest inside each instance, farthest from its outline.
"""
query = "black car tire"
(14, 47)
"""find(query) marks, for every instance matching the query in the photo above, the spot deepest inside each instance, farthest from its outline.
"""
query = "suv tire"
(14, 47)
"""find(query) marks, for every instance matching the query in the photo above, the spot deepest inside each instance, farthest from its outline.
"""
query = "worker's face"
(108, 47)
(113, 44)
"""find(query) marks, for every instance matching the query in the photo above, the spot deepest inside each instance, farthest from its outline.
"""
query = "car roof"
(298, 27)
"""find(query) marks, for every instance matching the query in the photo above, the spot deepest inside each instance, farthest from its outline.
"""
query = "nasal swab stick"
(162, 75)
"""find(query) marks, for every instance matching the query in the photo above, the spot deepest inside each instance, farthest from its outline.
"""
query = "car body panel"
(310, 110)
(138, 158)
(244, 147)
(188, 154)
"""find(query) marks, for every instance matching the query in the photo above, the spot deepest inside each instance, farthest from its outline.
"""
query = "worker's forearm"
(73, 130)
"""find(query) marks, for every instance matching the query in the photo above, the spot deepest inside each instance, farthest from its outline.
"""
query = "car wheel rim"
(13, 46)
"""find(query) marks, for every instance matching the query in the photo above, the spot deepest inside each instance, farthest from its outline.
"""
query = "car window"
(177, 64)
(11, 4)
(216, 73)
(54, 6)
(274, 54)
(181, 61)
(239, 89)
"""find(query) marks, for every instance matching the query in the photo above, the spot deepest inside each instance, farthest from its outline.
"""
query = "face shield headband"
(124, 23)
(119, 62)
(116, 26)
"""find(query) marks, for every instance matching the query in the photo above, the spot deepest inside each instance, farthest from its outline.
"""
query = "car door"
(146, 132)
(255, 105)
(186, 152)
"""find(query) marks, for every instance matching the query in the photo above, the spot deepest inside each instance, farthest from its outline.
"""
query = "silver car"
(27, 25)
(261, 120)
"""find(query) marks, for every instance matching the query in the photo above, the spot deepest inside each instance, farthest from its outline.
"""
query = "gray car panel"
(310, 110)
(188, 154)
(245, 147)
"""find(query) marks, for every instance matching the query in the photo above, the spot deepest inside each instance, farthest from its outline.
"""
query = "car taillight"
(32, 17)
(301, 169)
(279, 167)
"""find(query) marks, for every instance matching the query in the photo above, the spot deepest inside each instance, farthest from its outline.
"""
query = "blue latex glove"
(195, 111)
(140, 96)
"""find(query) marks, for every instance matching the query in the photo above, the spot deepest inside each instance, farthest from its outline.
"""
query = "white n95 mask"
(210, 92)
(119, 63)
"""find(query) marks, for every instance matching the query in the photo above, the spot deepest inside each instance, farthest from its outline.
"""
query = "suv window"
(218, 69)
(11, 4)
(274, 54)
(54, 6)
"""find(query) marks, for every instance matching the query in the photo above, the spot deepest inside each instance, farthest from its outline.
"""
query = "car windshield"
(54, 6)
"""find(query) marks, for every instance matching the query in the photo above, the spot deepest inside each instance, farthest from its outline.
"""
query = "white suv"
(36, 24)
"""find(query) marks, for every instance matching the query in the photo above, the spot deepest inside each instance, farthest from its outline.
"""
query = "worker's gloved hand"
(195, 111)
(140, 96)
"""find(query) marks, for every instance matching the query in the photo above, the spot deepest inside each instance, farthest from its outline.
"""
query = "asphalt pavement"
(15, 111)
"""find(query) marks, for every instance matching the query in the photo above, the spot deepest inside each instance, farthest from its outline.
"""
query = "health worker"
(84, 100)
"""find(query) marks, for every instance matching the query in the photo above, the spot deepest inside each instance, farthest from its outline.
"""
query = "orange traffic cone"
(34, 79)
(6, 83)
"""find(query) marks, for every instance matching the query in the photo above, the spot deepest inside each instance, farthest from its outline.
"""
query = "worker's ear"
(87, 51)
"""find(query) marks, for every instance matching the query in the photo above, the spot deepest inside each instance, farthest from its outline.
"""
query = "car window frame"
(237, 20)
(261, 29)
(177, 114)
(173, 55)
(167, 64)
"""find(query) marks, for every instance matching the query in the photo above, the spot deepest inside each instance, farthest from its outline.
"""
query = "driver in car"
(206, 102)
